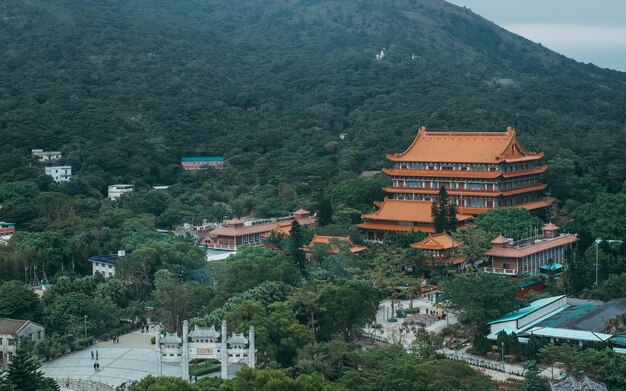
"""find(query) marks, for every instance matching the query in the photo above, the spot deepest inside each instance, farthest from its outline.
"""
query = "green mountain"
(126, 87)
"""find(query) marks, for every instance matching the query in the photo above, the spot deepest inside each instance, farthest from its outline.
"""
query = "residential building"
(46, 156)
(116, 191)
(394, 215)
(237, 232)
(480, 171)
(59, 173)
(7, 228)
(105, 264)
(334, 243)
(202, 162)
(12, 331)
(443, 249)
(530, 256)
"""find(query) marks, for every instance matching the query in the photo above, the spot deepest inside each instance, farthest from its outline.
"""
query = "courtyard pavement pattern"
(131, 359)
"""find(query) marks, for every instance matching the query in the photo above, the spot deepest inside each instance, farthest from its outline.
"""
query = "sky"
(589, 31)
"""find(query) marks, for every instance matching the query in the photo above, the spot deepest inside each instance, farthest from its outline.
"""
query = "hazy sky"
(586, 30)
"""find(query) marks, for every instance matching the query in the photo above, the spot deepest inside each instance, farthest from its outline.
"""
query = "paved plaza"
(131, 359)
(397, 331)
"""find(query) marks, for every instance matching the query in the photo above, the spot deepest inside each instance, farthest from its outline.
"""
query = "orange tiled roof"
(535, 204)
(441, 241)
(443, 173)
(335, 250)
(465, 192)
(521, 252)
(550, 227)
(465, 147)
(396, 227)
(501, 239)
(536, 170)
(301, 212)
(407, 210)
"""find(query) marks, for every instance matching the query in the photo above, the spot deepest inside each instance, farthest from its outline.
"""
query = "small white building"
(46, 156)
(59, 173)
(105, 264)
(14, 330)
(115, 191)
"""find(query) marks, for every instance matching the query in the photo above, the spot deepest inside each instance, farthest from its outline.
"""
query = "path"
(132, 359)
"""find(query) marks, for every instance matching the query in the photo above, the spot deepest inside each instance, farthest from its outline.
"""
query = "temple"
(442, 248)
(480, 171)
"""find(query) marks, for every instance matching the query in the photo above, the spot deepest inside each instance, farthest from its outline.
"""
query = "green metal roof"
(202, 158)
(534, 306)
(552, 266)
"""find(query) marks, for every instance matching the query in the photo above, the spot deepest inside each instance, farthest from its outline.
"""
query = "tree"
(475, 242)
(426, 344)
(151, 383)
(325, 215)
(173, 300)
(24, 374)
(444, 212)
(345, 307)
(482, 297)
(17, 301)
(252, 266)
(533, 382)
(512, 222)
(296, 241)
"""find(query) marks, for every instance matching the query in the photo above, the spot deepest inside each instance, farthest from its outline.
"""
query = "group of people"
(116, 339)
(94, 355)
(96, 366)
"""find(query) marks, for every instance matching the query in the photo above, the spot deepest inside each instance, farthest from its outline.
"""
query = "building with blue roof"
(202, 162)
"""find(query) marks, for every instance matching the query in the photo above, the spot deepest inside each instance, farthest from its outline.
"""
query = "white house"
(105, 264)
(115, 191)
(14, 330)
(59, 173)
(46, 156)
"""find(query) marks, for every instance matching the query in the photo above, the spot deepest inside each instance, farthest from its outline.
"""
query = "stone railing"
(482, 362)
(499, 270)
(84, 385)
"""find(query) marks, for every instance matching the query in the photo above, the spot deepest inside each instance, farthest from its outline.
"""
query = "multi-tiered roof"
(480, 171)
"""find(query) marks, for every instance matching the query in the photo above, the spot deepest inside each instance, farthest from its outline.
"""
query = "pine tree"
(296, 241)
(444, 212)
(533, 381)
(24, 374)
(325, 215)
(451, 220)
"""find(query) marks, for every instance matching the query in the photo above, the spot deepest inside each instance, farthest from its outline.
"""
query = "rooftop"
(441, 241)
(11, 326)
(329, 239)
(407, 211)
(189, 159)
(468, 147)
(534, 306)
(529, 248)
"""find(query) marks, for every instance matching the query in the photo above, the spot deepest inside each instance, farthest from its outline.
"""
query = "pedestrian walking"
(92, 354)
(96, 355)
(98, 366)
(95, 367)
(67, 382)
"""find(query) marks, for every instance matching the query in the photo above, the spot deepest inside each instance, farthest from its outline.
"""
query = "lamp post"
(597, 242)
(85, 326)
(502, 349)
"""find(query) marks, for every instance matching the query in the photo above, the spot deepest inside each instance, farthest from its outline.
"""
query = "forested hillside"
(124, 88)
